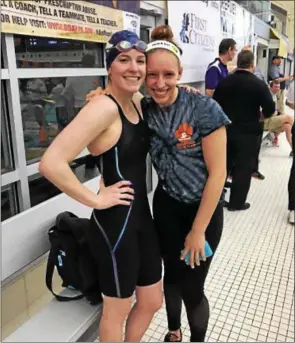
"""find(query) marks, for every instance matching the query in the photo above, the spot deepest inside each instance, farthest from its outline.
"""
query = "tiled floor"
(251, 281)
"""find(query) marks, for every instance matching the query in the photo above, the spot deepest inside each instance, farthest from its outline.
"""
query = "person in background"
(74, 94)
(275, 74)
(278, 123)
(36, 91)
(256, 173)
(217, 70)
(291, 184)
(59, 102)
(77, 87)
(241, 95)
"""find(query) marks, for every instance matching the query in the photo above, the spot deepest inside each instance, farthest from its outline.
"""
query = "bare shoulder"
(100, 106)
(94, 118)
(137, 97)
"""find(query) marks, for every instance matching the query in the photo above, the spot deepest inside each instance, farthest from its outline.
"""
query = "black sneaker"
(171, 337)
(258, 175)
(246, 206)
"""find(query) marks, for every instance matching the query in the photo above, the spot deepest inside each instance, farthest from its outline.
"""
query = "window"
(48, 105)
(41, 189)
(39, 52)
(6, 150)
(9, 203)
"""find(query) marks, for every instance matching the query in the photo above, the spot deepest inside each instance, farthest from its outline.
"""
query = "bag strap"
(49, 274)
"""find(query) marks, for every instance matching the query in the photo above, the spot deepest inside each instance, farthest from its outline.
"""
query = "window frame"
(12, 74)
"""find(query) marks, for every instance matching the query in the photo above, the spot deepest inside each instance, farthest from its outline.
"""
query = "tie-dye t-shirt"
(176, 150)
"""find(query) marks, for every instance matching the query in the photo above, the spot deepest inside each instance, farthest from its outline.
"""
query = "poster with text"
(236, 23)
(79, 20)
(131, 22)
(195, 25)
(132, 6)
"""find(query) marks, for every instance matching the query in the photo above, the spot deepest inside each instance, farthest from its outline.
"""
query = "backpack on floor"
(70, 254)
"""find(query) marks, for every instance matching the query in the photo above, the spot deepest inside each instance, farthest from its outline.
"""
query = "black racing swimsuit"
(123, 238)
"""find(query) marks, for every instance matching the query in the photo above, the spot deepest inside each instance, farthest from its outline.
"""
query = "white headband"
(163, 44)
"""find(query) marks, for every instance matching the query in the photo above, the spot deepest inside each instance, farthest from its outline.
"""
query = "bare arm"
(91, 121)
(214, 150)
(285, 78)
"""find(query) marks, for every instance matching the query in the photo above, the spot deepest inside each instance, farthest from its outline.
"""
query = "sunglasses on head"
(125, 45)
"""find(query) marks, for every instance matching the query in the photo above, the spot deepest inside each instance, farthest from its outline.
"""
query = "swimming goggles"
(125, 45)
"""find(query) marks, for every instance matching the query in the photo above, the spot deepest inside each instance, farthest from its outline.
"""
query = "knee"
(287, 127)
(151, 304)
(116, 310)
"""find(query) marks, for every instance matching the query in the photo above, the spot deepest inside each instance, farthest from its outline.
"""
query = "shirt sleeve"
(211, 78)
(274, 73)
(211, 118)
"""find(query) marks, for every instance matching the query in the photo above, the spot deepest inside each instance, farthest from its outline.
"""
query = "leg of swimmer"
(115, 311)
(149, 300)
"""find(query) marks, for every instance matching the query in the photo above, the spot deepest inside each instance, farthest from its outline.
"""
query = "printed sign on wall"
(195, 25)
(79, 20)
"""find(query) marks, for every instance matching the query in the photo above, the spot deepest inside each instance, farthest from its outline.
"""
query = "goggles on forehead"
(125, 45)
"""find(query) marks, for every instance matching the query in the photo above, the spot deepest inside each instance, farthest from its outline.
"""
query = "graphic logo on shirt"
(184, 135)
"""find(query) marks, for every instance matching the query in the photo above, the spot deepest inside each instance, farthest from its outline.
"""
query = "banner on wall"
(199, 27)
(131, 6)
(195, 25)
(236, 23)
(79, 20)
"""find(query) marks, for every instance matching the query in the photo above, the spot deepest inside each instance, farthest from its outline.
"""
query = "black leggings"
(173, 222)
(291, 184)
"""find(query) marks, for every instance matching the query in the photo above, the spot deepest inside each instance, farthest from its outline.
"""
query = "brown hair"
(274, 82)
(162, 32)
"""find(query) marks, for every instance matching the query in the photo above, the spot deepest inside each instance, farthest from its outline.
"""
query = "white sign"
(236, 23)
(196, 27)
(131, 22)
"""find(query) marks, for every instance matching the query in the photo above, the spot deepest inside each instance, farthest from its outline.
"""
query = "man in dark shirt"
(241, 95)
(217, 70)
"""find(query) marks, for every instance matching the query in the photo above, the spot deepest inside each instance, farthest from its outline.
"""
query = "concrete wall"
(289, 7)
(158, 3)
